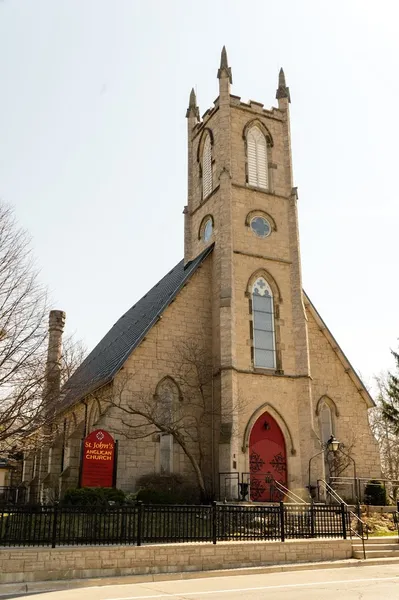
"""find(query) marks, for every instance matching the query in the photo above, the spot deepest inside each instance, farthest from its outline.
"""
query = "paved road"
(357, 583)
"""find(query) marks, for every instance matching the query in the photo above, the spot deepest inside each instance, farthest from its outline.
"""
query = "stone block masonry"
(27, 565)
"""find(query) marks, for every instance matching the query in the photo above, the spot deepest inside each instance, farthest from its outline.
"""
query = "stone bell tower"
(241, 199)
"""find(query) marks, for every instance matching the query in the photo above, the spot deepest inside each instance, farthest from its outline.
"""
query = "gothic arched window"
(263, 325)
(207, 167)
(257, 158)
(326, 423)
(167, 398)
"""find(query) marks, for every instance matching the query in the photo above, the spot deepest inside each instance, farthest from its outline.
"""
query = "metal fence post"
(312, 520)
(343, 514)
(139, 521)
(282, 522)
(214, 522)
(54, 531)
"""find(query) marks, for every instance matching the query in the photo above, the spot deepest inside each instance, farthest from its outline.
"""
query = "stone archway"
(267, 459)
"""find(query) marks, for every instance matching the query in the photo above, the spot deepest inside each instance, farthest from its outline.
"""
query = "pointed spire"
(192, 106)
(193, 99)
(282, 91)
(223, 59)
(224, 66)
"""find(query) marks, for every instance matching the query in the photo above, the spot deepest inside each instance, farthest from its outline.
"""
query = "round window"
(208, 230)
(260, 226)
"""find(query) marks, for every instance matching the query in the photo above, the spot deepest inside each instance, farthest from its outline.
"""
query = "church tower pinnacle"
(193, 110)
(283, 92)
(224, 69)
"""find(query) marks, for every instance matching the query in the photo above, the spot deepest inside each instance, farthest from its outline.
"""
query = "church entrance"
(267, 460)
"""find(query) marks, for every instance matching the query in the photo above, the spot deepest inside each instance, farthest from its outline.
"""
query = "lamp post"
(332, 443)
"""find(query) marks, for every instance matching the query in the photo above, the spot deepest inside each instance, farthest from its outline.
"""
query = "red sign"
(98, 460)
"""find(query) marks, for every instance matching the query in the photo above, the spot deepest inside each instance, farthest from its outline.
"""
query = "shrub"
(100, 497)
(375, 493)
(166, 489)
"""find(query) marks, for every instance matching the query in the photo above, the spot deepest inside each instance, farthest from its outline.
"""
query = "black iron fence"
(150, 524)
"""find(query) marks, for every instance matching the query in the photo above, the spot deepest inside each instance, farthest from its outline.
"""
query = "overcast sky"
(93, 145)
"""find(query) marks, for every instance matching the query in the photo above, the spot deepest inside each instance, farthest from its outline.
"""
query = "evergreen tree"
(390, 403)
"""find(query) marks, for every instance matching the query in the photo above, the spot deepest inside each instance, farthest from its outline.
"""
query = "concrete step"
(359, 546)
(384, 539)
(358, 553)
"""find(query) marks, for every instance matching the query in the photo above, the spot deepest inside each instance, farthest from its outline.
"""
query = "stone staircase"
(378, 547)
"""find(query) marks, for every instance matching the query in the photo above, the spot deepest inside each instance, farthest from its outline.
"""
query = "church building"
(226, 354)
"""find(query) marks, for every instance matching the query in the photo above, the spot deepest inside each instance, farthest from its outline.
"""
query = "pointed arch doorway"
(267, 459)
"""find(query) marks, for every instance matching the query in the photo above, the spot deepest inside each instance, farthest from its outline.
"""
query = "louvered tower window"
(257, 158)
(263, 325)
(207, 168)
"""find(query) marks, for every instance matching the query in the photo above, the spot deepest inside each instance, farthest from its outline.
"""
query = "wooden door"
(267, 460)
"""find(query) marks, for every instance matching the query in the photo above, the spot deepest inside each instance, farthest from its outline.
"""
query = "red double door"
(267, 460)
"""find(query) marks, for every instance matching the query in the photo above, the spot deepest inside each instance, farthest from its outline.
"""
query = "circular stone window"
(260, 226)
(208, 228)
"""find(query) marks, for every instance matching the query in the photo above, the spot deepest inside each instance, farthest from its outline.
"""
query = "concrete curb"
(55, 586)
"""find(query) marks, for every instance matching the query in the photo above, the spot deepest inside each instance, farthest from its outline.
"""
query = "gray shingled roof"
(108, 356)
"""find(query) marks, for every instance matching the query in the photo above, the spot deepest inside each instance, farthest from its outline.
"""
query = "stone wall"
(188, 318)
(45, 564)
(350, 420)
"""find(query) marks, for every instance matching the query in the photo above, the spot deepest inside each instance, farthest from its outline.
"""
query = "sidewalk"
(49, 586)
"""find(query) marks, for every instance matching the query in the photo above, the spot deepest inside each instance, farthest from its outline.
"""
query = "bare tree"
(191, 421)
(23, 336)
(73, 354)
(385, 431)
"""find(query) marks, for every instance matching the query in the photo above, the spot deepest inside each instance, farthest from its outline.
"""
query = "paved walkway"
(362, 583)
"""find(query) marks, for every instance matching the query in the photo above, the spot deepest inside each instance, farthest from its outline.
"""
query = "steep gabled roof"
(361, 388)
(108, 356)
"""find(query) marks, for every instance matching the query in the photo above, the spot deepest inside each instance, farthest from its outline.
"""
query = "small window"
(263, 325)
(167, 398)
(208, 229)
(260, 226)
(326, 424)
(257, 158)
(207, 167)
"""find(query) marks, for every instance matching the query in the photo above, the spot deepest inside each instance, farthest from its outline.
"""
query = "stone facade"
(215, 309)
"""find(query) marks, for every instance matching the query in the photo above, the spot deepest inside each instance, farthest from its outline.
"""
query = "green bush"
(166, 489)
(375, 493)
(93, 497)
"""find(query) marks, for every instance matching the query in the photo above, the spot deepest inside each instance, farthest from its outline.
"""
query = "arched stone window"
(167, 398)
(326, 423)
(94, 416)
(258, 175)
(205, 231)
(207, 167)
(264, 343)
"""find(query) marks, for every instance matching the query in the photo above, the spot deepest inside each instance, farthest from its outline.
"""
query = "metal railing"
(151, 524)
(289, 493)
(361, 529)
(235, 486)
(355, 488)
(13, 494)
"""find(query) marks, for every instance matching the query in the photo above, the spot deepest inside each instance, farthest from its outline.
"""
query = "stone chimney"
(53, 366)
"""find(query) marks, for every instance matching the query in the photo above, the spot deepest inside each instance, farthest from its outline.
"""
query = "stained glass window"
(260, 226)
(263, 325)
